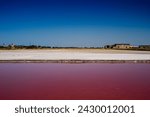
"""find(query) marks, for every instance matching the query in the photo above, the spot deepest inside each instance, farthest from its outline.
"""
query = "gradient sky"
(74, 22)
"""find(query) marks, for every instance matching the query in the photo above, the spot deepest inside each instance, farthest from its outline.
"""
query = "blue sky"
(74, 22)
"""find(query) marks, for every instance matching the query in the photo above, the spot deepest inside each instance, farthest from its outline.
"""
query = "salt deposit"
(73, 55)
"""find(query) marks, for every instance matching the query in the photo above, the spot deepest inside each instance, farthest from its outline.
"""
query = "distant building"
(11, 46)
(121, 46)
(118, 46)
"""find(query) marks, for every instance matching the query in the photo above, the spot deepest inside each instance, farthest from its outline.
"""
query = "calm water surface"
(74, 81)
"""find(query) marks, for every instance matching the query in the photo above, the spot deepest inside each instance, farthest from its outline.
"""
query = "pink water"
(74, 81)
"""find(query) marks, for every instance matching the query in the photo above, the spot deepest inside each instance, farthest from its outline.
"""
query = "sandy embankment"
(74, 55)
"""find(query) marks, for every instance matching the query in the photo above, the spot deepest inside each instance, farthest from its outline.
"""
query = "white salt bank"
(74, 54)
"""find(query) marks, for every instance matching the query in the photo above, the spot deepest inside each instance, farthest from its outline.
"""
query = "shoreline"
(76, 61)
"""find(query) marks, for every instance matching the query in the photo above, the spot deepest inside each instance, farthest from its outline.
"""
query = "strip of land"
(74, 56)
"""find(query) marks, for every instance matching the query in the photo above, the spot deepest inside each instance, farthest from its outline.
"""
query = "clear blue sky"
(74, 22)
